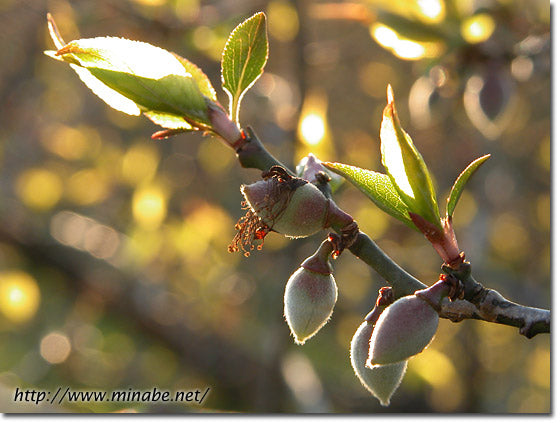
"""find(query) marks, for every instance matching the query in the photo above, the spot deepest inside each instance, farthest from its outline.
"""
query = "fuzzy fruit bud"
(310, 295)
(296, 211)
(404, 329)
(284, 204)
(380, 381)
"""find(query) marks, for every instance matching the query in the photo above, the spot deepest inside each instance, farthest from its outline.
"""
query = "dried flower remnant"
(281, 203)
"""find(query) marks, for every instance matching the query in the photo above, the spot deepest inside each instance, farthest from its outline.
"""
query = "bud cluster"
(391, 334)
(380, 381)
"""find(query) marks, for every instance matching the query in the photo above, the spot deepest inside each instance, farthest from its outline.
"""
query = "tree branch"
(481, 304)
(491, 306)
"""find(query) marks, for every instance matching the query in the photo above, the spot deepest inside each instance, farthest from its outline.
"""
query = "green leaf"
(406, 167)
(168, 121)
(243, 60)
(201, 79)
(172, 94)
(138, 74)
(377, 187)
(460, 183)
(111, 97)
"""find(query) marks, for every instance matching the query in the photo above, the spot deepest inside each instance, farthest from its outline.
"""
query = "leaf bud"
(310, 295)
(381, 381)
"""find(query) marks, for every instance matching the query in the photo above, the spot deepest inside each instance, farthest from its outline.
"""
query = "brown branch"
(489, 305)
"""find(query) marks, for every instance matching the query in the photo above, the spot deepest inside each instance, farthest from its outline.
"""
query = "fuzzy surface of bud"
(309, 301)
(404, 329)
(295, 212)
(380, 381)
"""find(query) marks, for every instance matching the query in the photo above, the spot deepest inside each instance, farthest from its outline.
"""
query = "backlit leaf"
(136, 77)
(460, 183)
(151, 77)
(377, 187)
(405, 166)
(243, 59)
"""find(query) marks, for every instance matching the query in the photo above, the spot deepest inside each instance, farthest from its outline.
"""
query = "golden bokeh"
(149, 206)
(39, 188)
(478, 28)
(283, 20)
(19, 296)
(139, 163)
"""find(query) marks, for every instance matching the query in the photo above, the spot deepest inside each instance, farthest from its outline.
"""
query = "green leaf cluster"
(407, 187)
(136, 77)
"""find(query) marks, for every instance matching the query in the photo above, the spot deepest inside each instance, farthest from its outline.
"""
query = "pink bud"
(404, 329)
(380, 381)
(308, 302)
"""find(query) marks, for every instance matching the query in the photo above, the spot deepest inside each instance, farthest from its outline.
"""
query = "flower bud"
(380, 381)
(310, 295)
(404, 329)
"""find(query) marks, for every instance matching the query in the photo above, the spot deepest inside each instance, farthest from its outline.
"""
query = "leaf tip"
(390, 95)
(53, 32)
(390, 110)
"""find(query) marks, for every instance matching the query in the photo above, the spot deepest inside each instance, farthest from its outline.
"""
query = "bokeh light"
(19, 295)
(55, 348)
(402, 47)
(149, 206)
(39, 188)
(283, 21)
(477, 28)
(312, 128)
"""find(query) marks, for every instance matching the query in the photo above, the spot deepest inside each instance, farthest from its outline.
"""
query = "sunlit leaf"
(377, 187)
(201, 79)
(136, 77)
(243, 59)
(114, 99)
(151, 77)
(405, 166)
(168, 121)
(461, 181)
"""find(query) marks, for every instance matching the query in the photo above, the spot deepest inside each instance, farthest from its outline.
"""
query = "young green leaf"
(377, 187)
(201, 79)
(460, 183)
(135, 77)
(111, 97)
(405, 166)
(153, 78)
(243, 60)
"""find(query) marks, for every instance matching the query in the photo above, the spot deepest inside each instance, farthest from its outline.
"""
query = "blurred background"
(114, 269)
